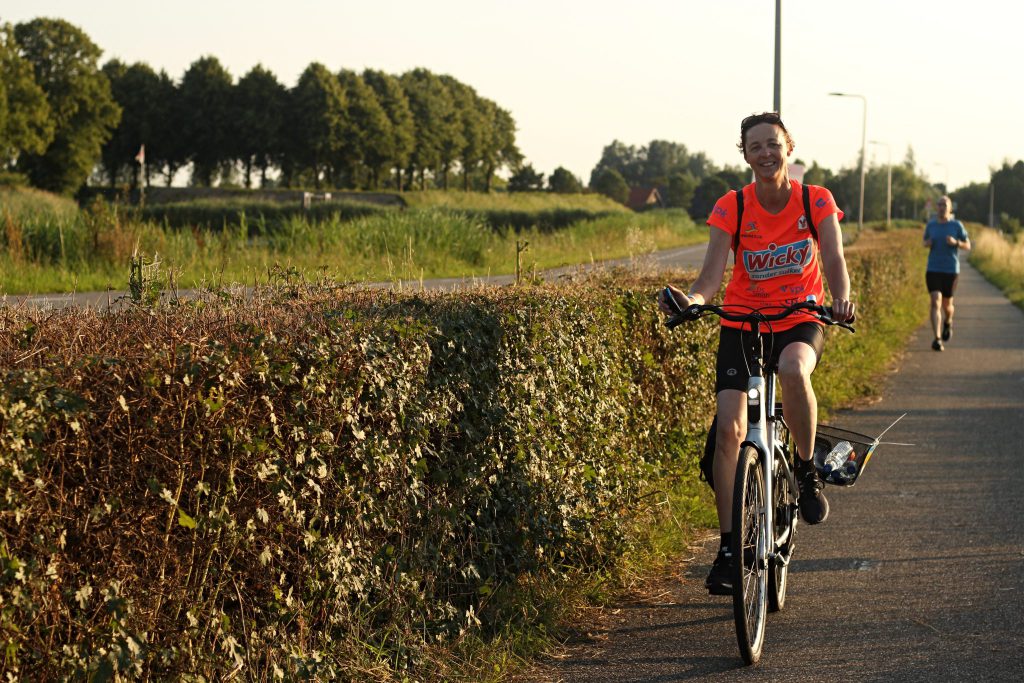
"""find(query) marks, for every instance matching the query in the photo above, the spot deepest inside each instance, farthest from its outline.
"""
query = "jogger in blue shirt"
(945, 237)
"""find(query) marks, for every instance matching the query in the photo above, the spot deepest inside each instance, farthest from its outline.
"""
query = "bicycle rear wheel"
(749, 547)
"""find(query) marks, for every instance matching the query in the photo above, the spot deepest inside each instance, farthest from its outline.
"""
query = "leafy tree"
(436, 123)
(972, 202)
(167, 150)
(661, 159)
(654, 164)
(818, 175)
(845, 187)
(137, 90)
(259, 107)
(620, 158)
(1008, 182)
(500, 150)
(83, 112)
(734, 177)
(473, 122)
(319, 124)
(699, 165)
(909, 193)
(707, 193)
(681, 187)
(563, 181)
(369, 130)
(396, 148)
(875, 192)
(25, 125)
(610, 183)
(526, 179)
(206, 94)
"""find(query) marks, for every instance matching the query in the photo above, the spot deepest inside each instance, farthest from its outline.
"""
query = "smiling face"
(766, 149)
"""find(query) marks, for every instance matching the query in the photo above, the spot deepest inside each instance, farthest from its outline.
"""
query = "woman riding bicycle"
(778, 251)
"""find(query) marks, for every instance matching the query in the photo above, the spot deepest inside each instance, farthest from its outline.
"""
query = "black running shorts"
(941, 282)
(731, 367)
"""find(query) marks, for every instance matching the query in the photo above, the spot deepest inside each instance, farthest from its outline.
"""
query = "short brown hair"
(757, 119)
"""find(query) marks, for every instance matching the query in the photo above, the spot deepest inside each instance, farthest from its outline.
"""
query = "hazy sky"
(941, 77)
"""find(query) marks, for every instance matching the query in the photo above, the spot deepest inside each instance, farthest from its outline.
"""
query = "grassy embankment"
(53, 247)
(1000, 258)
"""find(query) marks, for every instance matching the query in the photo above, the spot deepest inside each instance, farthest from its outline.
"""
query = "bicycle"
(761, 567)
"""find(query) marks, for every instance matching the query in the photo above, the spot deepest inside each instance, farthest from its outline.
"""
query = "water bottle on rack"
(835, 468)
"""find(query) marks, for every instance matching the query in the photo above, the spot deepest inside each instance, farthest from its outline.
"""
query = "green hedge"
(325, 483)
(261, 217)
(546, 220)
(268, 217)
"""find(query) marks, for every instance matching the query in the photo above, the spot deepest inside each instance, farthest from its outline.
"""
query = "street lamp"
(888, 182)
(863, 144)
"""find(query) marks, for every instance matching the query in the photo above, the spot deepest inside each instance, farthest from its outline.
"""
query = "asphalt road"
(918, 573)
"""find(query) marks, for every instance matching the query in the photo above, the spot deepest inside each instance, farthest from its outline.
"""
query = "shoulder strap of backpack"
(807, 212)
(739, 224)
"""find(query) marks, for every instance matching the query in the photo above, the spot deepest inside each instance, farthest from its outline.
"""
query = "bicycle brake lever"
(686, 315)
(846, 325)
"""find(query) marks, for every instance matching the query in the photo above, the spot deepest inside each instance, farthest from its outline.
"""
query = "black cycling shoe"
(719, 581)
(813, 504)
(947, 331)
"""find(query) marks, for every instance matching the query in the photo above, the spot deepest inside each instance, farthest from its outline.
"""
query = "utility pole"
(778, 57)
(991, 200)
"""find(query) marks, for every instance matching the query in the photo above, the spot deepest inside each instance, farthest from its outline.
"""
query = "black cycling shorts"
(731, 366)
(941, 282)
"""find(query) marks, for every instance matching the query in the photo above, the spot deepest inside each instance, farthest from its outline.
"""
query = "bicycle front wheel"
(749, 547)
(784, 515)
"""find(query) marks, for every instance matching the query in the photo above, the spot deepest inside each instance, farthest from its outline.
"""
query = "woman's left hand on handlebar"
(842, 310)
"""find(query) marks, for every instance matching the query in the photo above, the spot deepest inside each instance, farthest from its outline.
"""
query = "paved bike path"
(917, 575)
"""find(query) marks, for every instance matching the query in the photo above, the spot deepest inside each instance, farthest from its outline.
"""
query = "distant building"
(641, 198)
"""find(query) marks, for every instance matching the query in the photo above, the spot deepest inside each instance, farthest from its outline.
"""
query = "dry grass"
(1000, 258)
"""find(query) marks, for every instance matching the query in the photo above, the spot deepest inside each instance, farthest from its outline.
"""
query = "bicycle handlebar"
(752, 316)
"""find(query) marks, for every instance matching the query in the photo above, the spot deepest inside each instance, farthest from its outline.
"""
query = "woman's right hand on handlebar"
(665, 306)
(843, 310)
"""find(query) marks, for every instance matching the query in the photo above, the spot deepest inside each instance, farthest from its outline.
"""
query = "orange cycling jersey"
(777, 261)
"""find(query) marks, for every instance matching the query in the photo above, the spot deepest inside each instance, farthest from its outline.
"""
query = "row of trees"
(912, 191)
(62, 117)
(685, 180)
(692, 182)
(341, 129)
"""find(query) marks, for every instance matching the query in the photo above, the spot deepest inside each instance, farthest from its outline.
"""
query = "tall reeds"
(51, 250)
